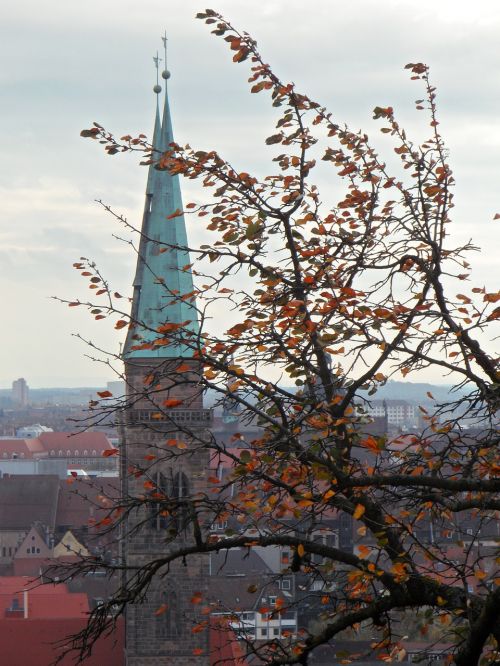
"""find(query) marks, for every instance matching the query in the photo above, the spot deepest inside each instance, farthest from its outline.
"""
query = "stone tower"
(164, 405)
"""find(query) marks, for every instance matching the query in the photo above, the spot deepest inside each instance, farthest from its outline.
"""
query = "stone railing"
(195, 417)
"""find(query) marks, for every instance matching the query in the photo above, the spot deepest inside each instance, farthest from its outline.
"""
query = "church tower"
(164, 459)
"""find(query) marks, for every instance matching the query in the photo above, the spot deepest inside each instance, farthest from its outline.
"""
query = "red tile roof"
(22, 448)
(80, 441)
(224, 647)
(37, 643)
(44, 601)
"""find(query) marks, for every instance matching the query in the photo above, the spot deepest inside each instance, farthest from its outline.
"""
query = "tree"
(334, 299)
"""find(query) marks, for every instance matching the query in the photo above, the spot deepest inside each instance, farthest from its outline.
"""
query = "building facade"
(165, 423)
(20, 392)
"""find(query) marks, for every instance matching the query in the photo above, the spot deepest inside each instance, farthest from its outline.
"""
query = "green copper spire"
(161, 279)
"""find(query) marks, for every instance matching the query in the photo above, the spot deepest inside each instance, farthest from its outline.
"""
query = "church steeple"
(161, 277)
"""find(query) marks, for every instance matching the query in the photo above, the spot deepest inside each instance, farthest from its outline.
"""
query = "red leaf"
(162, 609)
(104, 394)
(109, 452)
(172, 402)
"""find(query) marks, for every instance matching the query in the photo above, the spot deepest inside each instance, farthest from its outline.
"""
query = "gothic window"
(170, 487)
(168, 623)
(181, 493)
(159, 513)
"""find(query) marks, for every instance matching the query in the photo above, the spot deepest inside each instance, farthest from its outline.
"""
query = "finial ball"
(157, 89)
(165, 74)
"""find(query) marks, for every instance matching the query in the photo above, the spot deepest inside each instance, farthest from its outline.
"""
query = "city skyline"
(57, 85)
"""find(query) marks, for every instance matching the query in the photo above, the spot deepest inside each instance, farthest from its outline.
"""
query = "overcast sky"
(66, 64)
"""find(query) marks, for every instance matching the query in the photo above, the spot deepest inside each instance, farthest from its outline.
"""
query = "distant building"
(81, 450)
(398, 412)
(117, 388)
(28, 432)
(20, 392)
(35, 620)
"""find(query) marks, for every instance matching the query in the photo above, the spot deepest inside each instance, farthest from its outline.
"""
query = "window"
(272, 601)
(77, 452)
(94, 453)
(168, 508)
(85, 453)
(60, 453)
(263, 633)
(68, 452)
(276, 631)
(286, 584)
(247, 617)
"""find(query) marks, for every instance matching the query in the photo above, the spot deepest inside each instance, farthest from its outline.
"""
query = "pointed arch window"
(168, 624)
(169, 510)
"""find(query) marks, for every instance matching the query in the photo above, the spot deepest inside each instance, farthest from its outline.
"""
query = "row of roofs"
(91, 444)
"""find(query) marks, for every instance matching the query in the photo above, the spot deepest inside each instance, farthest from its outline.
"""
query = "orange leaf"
(197, 652)
(120, 324)
(172, 402)
(358, 511)
(109, 452)
(300, 550)
(162, 609)
(184, 367)
(196, 598)
(104, 394)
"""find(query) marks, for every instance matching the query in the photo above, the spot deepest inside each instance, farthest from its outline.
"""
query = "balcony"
(199, 418)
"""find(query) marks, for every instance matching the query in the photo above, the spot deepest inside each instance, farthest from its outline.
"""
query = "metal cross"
(156, 60)
(165, 40)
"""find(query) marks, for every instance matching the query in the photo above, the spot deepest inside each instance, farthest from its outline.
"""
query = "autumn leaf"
(358, 511)
(104, 394)
(161, 610)
(109, 452)
(172, 402)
